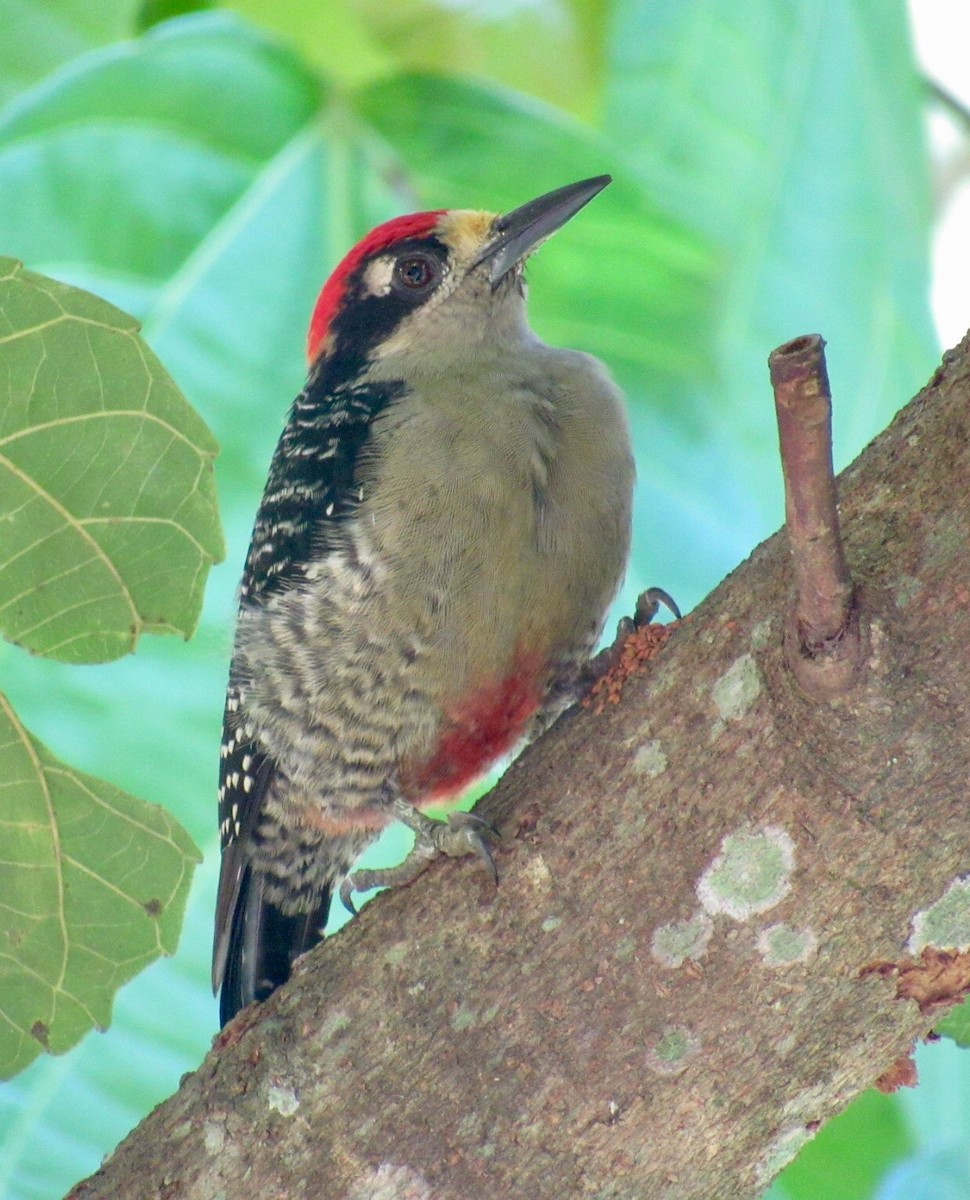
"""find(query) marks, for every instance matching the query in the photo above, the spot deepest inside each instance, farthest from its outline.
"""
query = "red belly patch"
(477, 734)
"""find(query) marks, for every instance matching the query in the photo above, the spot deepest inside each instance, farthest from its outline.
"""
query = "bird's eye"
(417, 272)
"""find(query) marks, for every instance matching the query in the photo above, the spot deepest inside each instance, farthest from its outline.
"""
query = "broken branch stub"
(825, 643)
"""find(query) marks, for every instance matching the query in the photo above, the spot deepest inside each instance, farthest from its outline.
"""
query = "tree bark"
(694, 956)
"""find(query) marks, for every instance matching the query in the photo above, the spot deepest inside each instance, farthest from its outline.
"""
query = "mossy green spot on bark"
(782, 946)
(737, 689)
(677, 941)
(751, 873)
(650, 759)
(672, 1051)
(945, 924)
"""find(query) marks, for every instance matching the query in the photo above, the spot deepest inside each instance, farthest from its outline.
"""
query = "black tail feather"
(264, 944)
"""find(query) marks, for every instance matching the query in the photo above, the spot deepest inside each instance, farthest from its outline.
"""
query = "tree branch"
(711, 894)
(823, 636)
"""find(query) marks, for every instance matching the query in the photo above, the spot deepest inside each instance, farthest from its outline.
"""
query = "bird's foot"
(637, 642)
(461, 834)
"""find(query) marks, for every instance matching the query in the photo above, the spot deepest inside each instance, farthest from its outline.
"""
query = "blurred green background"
(204, 167)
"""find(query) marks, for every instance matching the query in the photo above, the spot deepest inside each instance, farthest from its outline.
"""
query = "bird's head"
(436, 281)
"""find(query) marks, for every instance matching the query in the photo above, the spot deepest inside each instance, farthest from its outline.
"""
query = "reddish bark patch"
(937, 980)
(902, 1073)
(643, 644)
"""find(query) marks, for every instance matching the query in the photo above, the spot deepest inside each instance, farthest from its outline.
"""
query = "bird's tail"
(265, 941)
(275, 889)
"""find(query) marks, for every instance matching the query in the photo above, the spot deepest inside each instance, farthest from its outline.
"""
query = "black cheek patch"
(364, 322)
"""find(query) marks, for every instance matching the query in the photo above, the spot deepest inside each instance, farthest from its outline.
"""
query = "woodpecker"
(445, 524)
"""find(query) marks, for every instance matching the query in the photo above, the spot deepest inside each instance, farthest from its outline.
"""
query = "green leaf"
(109, 509)
(956, 1024)
(852, 1153)
(790, 137)
(802, 157)
(334, 37)
(40, 35)
(154, 12)
(109, 169)
(92, 887)
(356, 43)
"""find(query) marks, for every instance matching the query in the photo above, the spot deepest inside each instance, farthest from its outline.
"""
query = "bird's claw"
(465, 833)
(648, 605)
(461, 834)
(346, 893)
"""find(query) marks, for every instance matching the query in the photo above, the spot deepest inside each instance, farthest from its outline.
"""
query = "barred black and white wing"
(311, 491)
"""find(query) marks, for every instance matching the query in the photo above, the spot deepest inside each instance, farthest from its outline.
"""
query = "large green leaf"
(38, 37)
(109, 512)
(812, 181)
(851, 1154)
(358, 41)
(112, 168)
(92, 887)
(790, 137)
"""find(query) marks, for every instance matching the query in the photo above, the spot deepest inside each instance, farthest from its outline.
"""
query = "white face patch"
(377, 276)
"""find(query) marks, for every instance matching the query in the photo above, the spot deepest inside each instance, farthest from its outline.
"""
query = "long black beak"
(522, 230)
